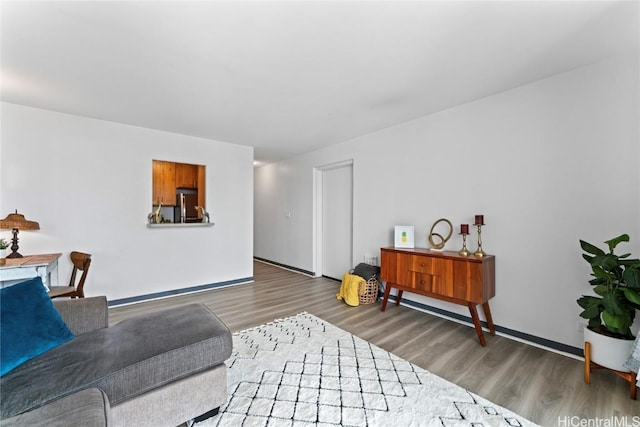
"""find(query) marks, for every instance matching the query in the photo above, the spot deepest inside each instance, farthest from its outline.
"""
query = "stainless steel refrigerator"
(185, 210)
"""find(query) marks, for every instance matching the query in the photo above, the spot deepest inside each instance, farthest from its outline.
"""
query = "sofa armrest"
(84, 315)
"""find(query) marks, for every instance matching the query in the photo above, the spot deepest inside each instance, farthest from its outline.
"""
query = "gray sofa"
(160, 369)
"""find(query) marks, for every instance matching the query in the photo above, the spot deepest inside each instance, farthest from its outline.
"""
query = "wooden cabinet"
(164, 183)
(186, 175)
(201, 189)
(443, 275)
(169, 176)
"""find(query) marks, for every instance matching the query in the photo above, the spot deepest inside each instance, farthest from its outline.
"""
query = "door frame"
(318, 172)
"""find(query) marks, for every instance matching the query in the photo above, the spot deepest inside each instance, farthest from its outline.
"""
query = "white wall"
(88, 183)
(547, 164)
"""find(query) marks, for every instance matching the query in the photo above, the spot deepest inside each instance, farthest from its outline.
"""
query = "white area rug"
(303, 371)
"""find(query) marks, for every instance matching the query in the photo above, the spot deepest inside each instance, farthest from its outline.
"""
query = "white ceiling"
(291, 77)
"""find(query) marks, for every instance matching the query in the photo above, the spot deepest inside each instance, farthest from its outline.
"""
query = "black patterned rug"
(303, 371)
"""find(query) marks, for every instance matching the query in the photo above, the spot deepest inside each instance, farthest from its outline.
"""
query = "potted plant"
(616, 282)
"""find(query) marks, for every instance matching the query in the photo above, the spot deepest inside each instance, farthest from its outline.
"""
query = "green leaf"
(632, 296)
(599, 281)
(587, 258)
(601, 290)
(618, 323)
(587, 301)
(591, 312)
(603, 277)
(631, 277)
(595, 322)
(599, 273)
(614, 322)
(614, 242)
(614, 303)
(608, 262)
(589, 248)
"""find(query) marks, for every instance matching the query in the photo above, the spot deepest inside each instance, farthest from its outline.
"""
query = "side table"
(18, 269)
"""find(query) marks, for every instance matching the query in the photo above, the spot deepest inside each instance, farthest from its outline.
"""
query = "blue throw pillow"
(30, 324)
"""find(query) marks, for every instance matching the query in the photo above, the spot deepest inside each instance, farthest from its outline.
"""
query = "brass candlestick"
(479, 252)
(464, 251)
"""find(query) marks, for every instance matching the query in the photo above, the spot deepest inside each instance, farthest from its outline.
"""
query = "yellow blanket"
(349, 289)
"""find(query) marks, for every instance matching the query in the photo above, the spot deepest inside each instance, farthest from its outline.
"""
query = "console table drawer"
(421, 264)
(423, 282)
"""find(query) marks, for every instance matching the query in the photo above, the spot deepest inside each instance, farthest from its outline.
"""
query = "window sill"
(181, 224)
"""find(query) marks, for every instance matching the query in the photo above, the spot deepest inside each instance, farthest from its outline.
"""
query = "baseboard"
(174, 292)
(287, 267)
(508, 332)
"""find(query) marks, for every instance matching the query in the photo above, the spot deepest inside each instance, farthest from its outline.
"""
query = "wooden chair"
(81, 262)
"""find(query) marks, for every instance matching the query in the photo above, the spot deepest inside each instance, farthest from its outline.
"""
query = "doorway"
(334, 219)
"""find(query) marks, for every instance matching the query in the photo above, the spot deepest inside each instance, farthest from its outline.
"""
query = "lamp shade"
(16, 220)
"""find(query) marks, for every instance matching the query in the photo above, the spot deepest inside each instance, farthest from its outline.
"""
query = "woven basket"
(368, 291)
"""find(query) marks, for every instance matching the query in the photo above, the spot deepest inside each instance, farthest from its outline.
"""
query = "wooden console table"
(30, 266)
(443, 275)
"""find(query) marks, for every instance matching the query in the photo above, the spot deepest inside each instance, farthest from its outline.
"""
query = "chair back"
(81, 262)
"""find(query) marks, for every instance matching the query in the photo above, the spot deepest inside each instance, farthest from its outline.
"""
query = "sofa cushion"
(126, 360)
(30, 324)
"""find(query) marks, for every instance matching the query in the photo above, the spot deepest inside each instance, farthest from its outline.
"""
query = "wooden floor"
(545, 387)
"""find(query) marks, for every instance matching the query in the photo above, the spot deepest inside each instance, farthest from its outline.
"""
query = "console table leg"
(385, 298)
(476, 323)
(487, 314)
(399, 297)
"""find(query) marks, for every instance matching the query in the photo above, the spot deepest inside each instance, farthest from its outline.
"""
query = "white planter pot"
(609, 352)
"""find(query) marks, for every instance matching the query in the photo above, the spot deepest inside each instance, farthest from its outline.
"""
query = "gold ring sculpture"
(443, 240)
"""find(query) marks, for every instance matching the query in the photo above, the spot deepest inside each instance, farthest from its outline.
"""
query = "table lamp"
(17, 222)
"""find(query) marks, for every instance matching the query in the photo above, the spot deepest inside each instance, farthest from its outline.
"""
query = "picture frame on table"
(404, 236)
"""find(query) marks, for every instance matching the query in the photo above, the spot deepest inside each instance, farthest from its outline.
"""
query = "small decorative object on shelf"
(438, 246)
(479, 222)
(154, 217)
(464, 231)
(204, 214)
